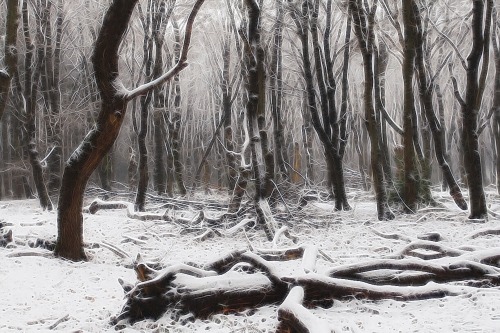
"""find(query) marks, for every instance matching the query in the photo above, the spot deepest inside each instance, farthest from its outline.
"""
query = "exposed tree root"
(485, 232)
(248, 279)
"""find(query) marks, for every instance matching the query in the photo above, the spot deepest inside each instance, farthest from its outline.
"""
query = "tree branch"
(179, 66)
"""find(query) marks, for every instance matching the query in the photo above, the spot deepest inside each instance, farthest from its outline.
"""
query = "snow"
(41, 293)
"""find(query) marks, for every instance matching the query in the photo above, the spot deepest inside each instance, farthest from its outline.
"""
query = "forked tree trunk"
(436, 125)
(100, 139)
(51, 90)
(363, 28)
(31, 81)
(328, 131)
(262, 163)
(470, 108)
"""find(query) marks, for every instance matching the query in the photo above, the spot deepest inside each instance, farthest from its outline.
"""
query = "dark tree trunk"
(104, 170)
(52, 60)
(31, 80)
(276, 84)
(262, 163)
(344, 134)
(381, 61)
(148, 19)
(159, 174)
(496, 105)
(10, 52)
(227, 98)
(326, 127)
(175, 124)
(100, 139)
(436, 124)
(363, 28)
(161, 18)
(470, 109)
(410, 191)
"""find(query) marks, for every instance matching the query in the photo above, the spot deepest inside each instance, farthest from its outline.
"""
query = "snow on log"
(294, 317)
(243, 280)
(309, 258)
(485, 232)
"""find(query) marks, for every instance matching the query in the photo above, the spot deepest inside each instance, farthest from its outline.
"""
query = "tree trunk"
(410, 191)
(10, 52)
(381, 61)
(261, 159)
(227, 100)
(31, 81)
(470, 109)
(105, 169)
(52, 60)
(363, 28)
(159, 174)
(100, 139)
(276, 84)
(496, 105)
(436, 124)
(175, 125)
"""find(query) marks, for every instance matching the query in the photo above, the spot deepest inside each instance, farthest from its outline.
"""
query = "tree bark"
(10, 52)
(410, 191)
(145, 103)
(31, 82)
(496, 104)
(100, 139)
(470, 109)
(175, 125)
(276, 84)
(363, 28)
(426, 88)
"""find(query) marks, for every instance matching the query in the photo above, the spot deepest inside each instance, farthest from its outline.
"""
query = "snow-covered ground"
(48, 294)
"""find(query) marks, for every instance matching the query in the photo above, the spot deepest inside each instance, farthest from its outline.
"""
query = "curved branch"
(179, 66)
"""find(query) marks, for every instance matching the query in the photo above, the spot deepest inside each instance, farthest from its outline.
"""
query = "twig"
(60, 320)
(30, 254)
(116, 250)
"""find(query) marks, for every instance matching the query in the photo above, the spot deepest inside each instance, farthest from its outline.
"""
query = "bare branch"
(179, 66)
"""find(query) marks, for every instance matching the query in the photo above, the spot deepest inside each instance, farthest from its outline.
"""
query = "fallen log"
(225, 287)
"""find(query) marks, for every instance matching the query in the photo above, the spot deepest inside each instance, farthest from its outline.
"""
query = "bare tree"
(427, 86)
(32, 71)
(276, 85)
(470, 106)
(114, 100)
(363, 21)
(410, 191)
(10, 52)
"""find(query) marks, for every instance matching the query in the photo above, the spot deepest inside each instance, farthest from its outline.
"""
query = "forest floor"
(43, 293)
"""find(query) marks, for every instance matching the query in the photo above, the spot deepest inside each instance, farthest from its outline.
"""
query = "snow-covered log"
(243, 280)
(294, 317)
